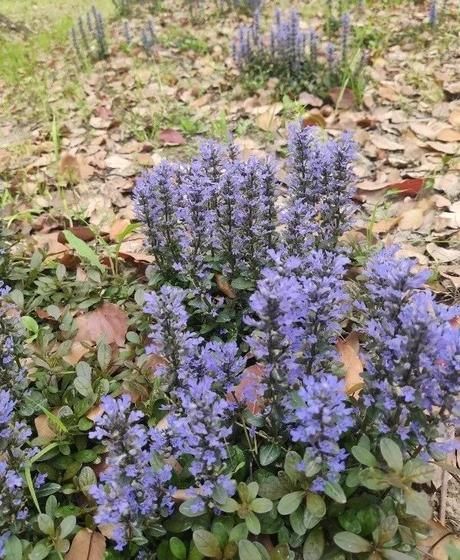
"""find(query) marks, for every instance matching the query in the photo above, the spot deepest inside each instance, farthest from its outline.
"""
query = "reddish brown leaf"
(171, 137)
(408, 187)
(82, 232)
(87, 545)
(107, 322)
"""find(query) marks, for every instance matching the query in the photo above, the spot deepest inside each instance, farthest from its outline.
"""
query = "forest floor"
(73, 138)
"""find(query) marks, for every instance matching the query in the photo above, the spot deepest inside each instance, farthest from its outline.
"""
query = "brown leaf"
(448, 135)
(450, 149)
(313, 119)
(411, 220)
(349, 354)
(87, 545)
(435, 546)
(454, 117)
(107, 322)
(310, 100)
(43, 428)
(117, 227)
(247, 389)
(342, 98)
(171, 137)
(441, 254)
(383, 142)
(77, 351)
(117, 162)
(225, 287)
(82, 232)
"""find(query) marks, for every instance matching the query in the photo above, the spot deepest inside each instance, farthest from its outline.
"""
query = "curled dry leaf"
(87, 545)
(108, 322)
(225, 287)
(383, 142)
(349, 354)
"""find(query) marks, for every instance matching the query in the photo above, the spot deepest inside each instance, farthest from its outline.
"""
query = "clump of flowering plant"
(257, 433)
(88, 37)
(298, 57)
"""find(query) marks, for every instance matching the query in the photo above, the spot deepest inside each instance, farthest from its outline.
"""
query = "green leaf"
(252, 490)
(252, 523)
(193, 507)
(45, 524)
(40, 551)
(229, 506)
(13, 548)
(241, 283)
(206, 543)
(418, 504)
(335, 492)
(291, 466)
(30, 324)
(351, 542)
(67, 526)
(395, 555)
(296, 519)
(104, 355)
(290, 502)
(392, 454)
(364, 456)
(261, 505)
(238, 533)
(178, 548)
(316, 505)
(83, 250)
(313, 547)
(86, 479)
(269, 453)
(416, 470)
(387, 529)
(248, 551)
(374, 479)
(310, 520)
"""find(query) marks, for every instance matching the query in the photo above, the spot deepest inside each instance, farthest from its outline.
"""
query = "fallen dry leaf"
(171, 137)
(349, 354)
(87, 545)
(342, 98)
(225, 287)
(43, 428)
(408, 187)
(248, 388)
(107, 322)
(441, 254)
(448, 135)
(383, 142)
(411, 220)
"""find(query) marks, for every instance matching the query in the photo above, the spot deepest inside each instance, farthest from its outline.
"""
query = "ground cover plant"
(225, 334)
(250, 443)
(301, 60)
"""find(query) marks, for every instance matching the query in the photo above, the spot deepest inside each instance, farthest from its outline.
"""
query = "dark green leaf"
(313, 547)
(351, 542)
(269, 453)
(178, 548)
(13, 548)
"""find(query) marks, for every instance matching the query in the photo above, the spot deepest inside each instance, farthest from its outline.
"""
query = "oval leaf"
(351, 542)
(290, 502)
(248, 551)
(206, 543)
(392, 454)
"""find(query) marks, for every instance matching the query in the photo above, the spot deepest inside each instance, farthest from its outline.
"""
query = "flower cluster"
(318, 206)
(216, 213)
(88, 37)
(294, 55)
(135, 487)
(412, 352)
(14, 433)
(219, 214)
(318, 416)
(297, 311)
